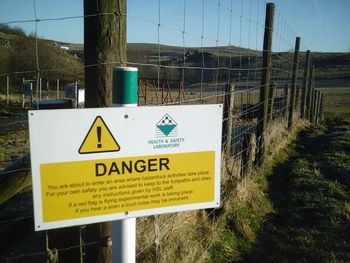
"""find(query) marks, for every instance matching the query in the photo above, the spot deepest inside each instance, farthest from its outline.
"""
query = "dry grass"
(216, 235)
(186, 236)
(202, 236)
(173, 237)
(278, 135)
(14, 137)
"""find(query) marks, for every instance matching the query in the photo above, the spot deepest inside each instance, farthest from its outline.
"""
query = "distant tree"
(32, 35)
(18, 54)
(4, 58)
(12, 30)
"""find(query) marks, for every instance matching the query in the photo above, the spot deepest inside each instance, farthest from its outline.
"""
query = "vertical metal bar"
(58, 88)
(76, 92)
(124, 94)
(40, 87)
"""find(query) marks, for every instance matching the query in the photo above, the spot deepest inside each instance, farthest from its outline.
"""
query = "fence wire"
(228, 39)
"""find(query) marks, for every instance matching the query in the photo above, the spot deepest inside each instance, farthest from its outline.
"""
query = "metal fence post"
(58, 88)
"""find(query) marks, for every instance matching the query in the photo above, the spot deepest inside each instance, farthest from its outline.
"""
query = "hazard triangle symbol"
(99, 139)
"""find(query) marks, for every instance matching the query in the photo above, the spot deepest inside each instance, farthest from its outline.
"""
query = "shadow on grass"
(311, 199)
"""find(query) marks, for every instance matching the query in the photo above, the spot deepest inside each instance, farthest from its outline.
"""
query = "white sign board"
(94, 165)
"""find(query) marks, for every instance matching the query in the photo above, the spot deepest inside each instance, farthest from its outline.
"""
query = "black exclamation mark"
(99, 133)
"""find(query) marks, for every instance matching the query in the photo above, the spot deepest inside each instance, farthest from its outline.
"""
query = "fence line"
(240, 66)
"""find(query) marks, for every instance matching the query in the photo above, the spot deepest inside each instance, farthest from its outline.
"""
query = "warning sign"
(91, 188)
(106, 164)
(99, 139)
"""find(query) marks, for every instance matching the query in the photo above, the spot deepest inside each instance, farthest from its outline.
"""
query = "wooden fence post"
(265, 83)
(314, 105)
(318, 107)
(292, 102)
(272, 92)
(286, 95)
(304, 90)
(247, 154)
(309, 93)
(228, 114)
(104, 43)
(322, 108)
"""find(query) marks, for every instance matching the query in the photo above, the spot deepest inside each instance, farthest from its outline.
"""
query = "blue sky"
(323, 25)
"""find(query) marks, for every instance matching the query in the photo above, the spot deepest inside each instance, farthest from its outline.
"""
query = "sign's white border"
(56, 135)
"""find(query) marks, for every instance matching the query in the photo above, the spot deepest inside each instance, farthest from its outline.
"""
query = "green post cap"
(125, 86)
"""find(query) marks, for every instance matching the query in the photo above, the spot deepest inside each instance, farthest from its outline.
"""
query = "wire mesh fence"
(203, 51)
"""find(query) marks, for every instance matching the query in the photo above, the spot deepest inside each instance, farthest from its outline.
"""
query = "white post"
(124, 241)
(23, 80)
(48, 88)
(8, 90)
(31, 95)
(124, 94)
(40, 86)
(76, 94)
(58, 88)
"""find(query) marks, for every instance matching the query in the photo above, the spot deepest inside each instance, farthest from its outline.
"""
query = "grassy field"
(296, 209)
(265, 213)
(309, 188)
(14, 138)
(337, 101)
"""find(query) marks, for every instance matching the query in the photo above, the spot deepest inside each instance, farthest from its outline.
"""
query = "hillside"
(65, 61)
(18, 58)
(331, 68)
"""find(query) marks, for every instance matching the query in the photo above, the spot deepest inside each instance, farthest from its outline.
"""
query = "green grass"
(298, 208)
(310, 192)
(337, 102)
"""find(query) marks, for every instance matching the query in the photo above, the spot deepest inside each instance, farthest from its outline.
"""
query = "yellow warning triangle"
(99, 139)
